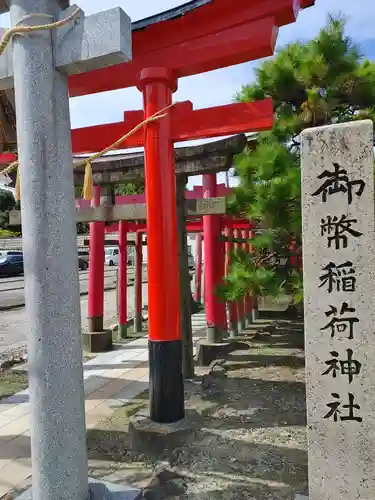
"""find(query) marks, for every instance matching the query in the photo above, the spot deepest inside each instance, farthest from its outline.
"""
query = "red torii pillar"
(247, 299)
(240, 302)
(123, 280)
(138, 282)
(96, 271)
(165, 343)
(233, 315)
(198, 268)
(254, 299)
(250, 298)
(220, 275)
(211, 234)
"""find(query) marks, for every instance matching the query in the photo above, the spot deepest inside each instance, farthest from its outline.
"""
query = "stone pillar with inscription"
(339, 279)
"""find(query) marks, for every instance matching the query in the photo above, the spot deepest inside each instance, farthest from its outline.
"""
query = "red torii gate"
(211, 36)
(204, 38)
(215, 307)
(186, 124)
(239, 312)
(246, 117)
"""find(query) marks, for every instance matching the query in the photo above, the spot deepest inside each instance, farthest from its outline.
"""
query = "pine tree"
(322, 81)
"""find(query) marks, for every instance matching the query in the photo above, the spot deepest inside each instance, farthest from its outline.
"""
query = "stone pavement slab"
(111, 380)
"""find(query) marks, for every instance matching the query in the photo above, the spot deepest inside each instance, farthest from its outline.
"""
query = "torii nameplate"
(114, 213)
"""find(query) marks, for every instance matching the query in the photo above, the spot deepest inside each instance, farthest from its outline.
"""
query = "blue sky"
(216, 87)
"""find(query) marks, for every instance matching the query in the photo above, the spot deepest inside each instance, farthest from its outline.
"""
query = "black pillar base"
(167, 403)
(95, 324)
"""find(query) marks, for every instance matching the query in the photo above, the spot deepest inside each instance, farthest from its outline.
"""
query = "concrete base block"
(207, 351)
(101, 490)
(147, 436)
(122, 331)
(301, 497)
(97, 341)
(249, 318)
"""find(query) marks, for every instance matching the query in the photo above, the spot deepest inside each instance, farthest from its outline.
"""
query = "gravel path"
(249, 441)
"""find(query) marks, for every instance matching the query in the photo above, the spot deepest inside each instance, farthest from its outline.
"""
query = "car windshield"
(3, 258)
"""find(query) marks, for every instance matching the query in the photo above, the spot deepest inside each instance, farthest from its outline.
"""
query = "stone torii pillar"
(41, 62)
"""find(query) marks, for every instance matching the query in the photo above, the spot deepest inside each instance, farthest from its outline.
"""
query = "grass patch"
(12, 382)
(131, 335)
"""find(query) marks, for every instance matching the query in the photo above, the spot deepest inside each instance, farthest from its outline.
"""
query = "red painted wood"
(224, 120)
(228, 45)
(250, 297)
(211, 233)
(198, 268)
(192, 227)
(7, 158)
(187, 124)
(245, 248)
(122, 274)
(196, 35)
(157, 85)
(96, 265)
(138, 277)
(220, 274)
(240, 303)
(233, 316)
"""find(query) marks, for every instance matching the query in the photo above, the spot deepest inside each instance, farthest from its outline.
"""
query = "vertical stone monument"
(339, 279)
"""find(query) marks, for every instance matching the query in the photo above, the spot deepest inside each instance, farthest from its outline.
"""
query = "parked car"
(82, 264)
(191, 262)
(4, 253)
(111, 256)
(11, 265)
(84, 254)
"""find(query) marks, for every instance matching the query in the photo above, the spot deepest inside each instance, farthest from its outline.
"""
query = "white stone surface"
(82, 45)
(341, 452)
(92, 42)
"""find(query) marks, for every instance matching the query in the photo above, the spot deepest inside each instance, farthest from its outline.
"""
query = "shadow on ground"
(251, 440)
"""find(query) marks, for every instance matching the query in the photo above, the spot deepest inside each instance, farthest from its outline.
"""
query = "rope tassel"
(88, 183)
(18, 186)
